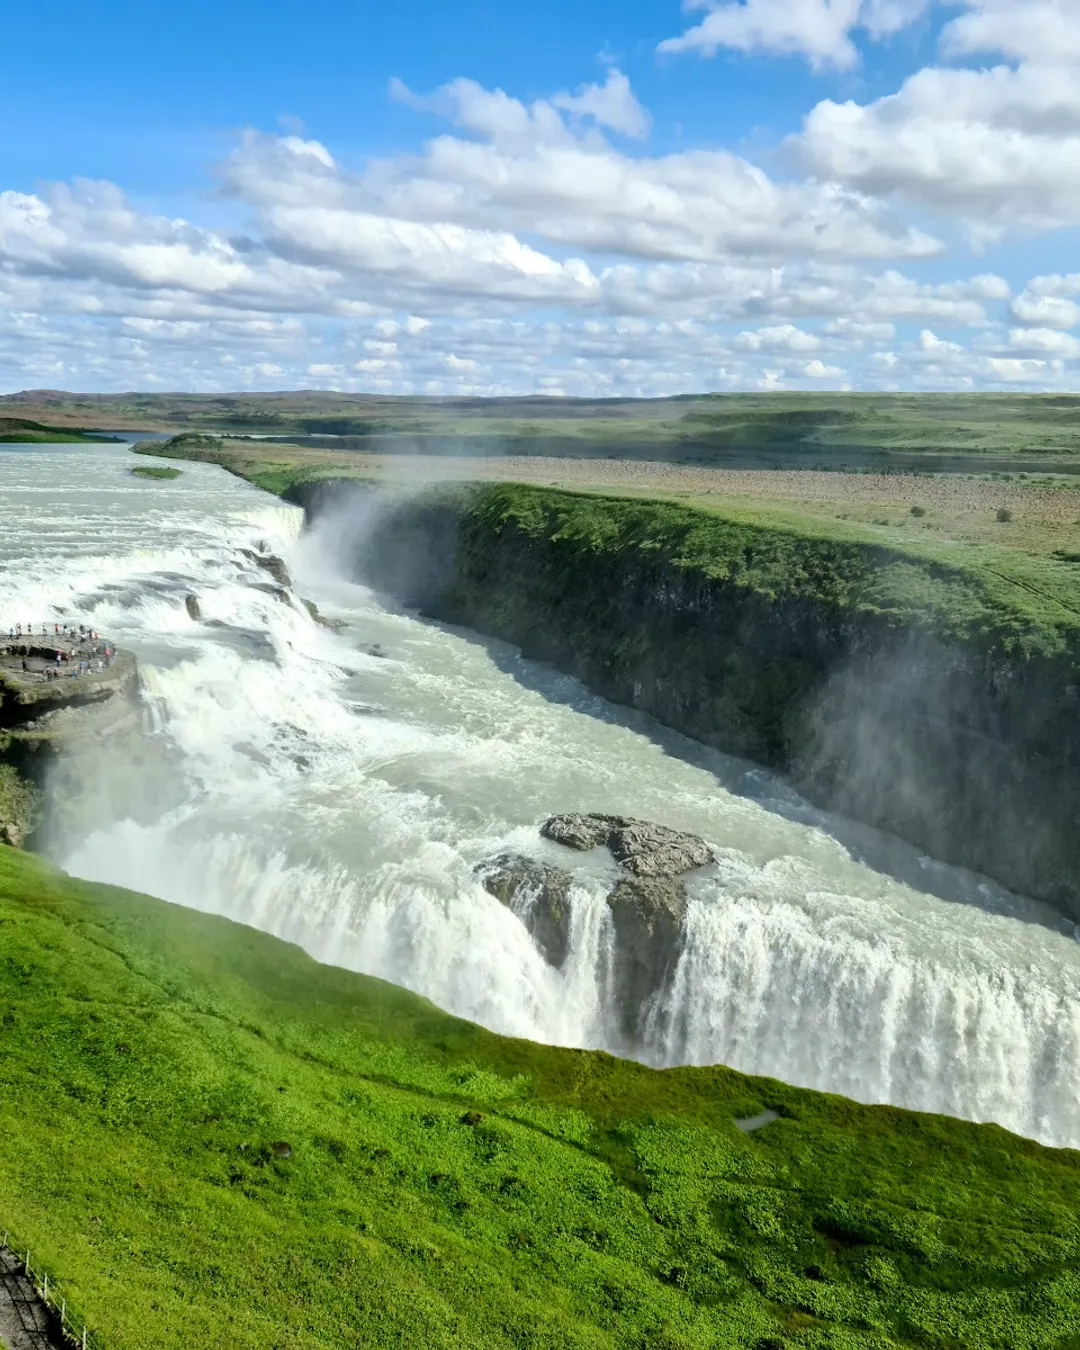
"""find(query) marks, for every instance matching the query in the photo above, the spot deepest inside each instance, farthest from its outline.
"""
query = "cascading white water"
(340, 799)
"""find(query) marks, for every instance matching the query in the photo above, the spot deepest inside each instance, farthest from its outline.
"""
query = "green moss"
(448, 1187)
(19, 804)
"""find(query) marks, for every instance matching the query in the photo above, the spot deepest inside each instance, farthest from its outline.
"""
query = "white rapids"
(340, 800)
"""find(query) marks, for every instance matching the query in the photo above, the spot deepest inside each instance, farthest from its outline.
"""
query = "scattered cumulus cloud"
(1046, 311)
(612, 104)
(548, 246)
(994, 145)
(819, 30)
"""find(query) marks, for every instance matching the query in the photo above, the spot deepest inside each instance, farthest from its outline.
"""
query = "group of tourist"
(58, 630)
(73, 649)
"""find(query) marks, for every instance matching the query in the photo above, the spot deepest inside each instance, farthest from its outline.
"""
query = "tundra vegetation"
(205, 1136)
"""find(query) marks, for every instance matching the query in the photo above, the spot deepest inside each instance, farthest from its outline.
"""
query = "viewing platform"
(53, 664)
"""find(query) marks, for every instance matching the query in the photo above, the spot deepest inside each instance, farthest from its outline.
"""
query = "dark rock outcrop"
(270, 562)
(538, 894)
(278, 592)
(578, 831)
(41, 720)
(648, 910)
(193, 608)
(645, 849)
(648, 914)
(656, 851)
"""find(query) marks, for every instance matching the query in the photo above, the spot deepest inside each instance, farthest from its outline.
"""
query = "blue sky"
(582, 198)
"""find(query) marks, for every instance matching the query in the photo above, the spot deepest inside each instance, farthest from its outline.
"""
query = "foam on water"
(340, 800)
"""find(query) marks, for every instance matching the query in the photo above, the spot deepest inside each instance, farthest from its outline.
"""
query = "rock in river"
(648, 915)
(580, 832)
(642, 848)
(270, 562)
(193, 608)
(538, 894)
(657, 851)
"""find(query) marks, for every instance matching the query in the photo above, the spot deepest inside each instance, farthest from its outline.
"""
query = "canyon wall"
(889, 688)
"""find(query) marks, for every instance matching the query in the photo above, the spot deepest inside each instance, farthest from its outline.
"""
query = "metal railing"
(63, 1325)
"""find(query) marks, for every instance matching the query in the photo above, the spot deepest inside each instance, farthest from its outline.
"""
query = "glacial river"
(340, 799)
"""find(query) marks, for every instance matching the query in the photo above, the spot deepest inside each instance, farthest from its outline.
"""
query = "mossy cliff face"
(890, 688)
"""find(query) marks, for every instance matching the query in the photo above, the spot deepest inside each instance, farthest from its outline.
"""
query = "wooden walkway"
(26, 1323)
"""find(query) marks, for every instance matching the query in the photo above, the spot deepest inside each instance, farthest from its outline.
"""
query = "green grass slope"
(20, 431)
(210, 1140)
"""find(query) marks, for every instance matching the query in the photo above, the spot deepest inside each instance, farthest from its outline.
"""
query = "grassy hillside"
(210, 1140)
(20, 431)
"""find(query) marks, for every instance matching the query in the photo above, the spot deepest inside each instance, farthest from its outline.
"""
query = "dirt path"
(25, 1322)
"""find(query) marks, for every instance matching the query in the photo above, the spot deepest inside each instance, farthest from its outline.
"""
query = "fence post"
(84, 1338)
(63, 1311)
(45, 1290)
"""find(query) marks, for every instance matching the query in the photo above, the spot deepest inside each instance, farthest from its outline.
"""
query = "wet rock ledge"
(46, 707)
(648, 906)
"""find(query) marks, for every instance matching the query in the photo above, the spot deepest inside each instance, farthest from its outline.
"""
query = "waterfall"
(336, 789)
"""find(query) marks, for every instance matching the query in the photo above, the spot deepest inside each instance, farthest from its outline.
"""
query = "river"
(340, 798)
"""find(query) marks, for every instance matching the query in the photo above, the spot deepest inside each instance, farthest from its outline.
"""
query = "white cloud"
(611, 104)
(457, 354)
(930, 342)
(1044, 31)
(518, 251)
(1045, 310)
(819, 30)
(524, 169)
(997, 147)
(1014, 371)
(783, 338)
(860, 331)
(452, 258)
(818, 370)
(1044, 341)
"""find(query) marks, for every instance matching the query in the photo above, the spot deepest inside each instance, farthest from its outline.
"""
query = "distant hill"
(753, 430)
(21, 431)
